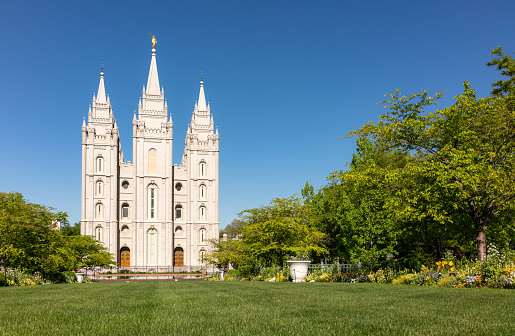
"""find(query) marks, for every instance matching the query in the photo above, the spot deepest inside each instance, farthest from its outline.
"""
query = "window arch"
(99, 211)
(152, 201)
(178, 231)
(202, 254)
(178, 211)
(202, 192)
(99, 188)
(202, 213)
(125, 210)
(99, 163)
(202, 169)
(152, 161)
(99, 233)
(178, 186)
(202, 234)
(152, 247)
(125, 230)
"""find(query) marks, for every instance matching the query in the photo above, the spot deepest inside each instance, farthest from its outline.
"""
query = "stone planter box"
(298, 269)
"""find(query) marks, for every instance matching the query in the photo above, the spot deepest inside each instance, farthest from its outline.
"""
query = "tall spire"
(201, 97)
(101, 95)
(153, 78)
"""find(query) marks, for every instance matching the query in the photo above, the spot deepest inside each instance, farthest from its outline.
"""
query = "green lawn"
(253, 308)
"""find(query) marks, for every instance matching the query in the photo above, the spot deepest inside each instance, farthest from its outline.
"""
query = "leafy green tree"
(70, 230)
(462, 159)
(355, 209)
(234, 229)
(30, 239)
(504, 88)
(26, 232)
(271, 234)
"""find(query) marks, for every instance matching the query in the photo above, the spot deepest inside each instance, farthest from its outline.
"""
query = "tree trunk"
(481, 242)
(2, 264)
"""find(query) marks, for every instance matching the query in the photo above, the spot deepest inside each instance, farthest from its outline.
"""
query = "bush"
(3, 280)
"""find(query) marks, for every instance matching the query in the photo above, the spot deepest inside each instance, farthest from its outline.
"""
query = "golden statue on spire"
(154, 41)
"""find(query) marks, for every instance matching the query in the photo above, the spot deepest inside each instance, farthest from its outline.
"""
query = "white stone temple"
(149, 212)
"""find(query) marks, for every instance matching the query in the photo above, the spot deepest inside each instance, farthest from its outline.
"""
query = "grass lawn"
(253, 308)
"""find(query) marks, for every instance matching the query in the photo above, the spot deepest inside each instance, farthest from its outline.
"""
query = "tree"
(26, 231)
(234, 229)
(462, 158)
(30, 240)
(70, 230)
(354, 210)
(271, 234)
(504, 88)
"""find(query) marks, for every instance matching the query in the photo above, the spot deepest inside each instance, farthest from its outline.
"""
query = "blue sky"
(285, 80)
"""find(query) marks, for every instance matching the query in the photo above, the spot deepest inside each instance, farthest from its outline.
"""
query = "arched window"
(99, 211)
(202, 254)
(152, 161)
(152, 201)
(99, 233)
(99, 188)
(125, 230)
(202, 169)
(125, 185)
(125, 210)
(202, 234)
(203, 192)
(99, 164)
(178, 211)
(178, 186)
(178, 231)
(202, 213)
(152, 247)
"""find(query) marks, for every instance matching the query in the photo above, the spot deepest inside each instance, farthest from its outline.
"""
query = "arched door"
(179, 257)
(125, 256)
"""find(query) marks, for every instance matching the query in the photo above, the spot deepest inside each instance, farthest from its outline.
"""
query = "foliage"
(271, 234)
(504, 88)
(462, 159)
(31, 243)
(233, 230)
(69, 230)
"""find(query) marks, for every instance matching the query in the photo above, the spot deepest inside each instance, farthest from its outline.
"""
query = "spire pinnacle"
(101, 95)
(201, 97)
(153, 78)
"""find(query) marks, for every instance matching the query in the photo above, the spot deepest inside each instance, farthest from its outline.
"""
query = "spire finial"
(154, 41)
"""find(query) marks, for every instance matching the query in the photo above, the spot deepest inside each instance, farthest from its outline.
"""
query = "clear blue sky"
(285, 80)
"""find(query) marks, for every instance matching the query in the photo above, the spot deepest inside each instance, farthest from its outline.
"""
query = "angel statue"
(154, 41)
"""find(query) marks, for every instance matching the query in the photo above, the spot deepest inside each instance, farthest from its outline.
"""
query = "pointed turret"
(201, 97)
(101, 95)
(153, 78)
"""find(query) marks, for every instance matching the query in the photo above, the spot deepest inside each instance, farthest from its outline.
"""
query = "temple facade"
(149, 212)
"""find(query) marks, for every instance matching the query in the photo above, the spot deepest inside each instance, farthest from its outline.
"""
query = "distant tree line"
(423, 182)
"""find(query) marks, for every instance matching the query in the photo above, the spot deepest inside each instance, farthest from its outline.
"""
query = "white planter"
(298, 269)
(80, 277)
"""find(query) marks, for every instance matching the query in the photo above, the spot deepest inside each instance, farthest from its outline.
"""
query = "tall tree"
(462, 158)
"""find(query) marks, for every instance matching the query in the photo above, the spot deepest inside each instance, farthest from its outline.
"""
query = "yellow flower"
(423, 266)
(444, 263)
(451, 263)
(438, 263)
(452, 269)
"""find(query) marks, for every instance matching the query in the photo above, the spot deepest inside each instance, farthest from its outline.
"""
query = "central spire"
(153, 78)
